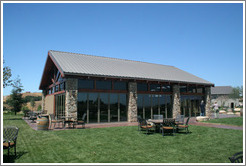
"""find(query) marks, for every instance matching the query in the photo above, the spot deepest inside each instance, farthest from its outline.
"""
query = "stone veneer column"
(176, 101)
(71, 97)
(208, 102)
(132, 102)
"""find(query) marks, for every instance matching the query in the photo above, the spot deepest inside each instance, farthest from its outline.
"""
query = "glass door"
(60, 105)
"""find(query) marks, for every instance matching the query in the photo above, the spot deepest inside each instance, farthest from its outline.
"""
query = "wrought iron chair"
(80, 122)
(180, 120)
(169, 125)
(237, 158)
(139, 118)
(32, 116)
(185, 126)
(10, 134)
(145, 126)
(53, 119)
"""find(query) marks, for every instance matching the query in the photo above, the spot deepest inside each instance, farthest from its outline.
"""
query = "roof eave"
(136, 78)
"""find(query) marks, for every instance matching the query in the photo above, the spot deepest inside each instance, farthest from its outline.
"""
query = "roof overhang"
(50, 61)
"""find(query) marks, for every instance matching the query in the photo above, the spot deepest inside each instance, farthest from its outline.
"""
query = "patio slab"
(117, 124)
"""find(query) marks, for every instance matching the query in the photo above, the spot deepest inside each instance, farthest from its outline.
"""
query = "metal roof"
(88, 65)
(221, 90)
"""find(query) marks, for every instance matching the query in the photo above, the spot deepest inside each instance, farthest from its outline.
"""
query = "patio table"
(68, 120)
(158, 122)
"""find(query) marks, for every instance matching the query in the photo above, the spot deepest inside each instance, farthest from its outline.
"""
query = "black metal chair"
(139, 118)
(53, 119)
(237, 158)
(10, 134)
(180, 119)
(32, 116)
(185, 126)
(145, 126)
(169, 125)
(80, 122)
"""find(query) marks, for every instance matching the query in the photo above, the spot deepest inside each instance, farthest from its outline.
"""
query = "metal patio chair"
(10, 134)
(53, 119)
(139, 118)
(180, 119)
(237, 158)
(80, 122)
(185, 126)
(168, 125)
(145, 126)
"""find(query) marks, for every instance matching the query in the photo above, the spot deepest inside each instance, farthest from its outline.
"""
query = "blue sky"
(203, 39)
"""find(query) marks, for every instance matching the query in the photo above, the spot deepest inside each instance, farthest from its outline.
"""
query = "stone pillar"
(176, 101)
(132, 102)
(208, 102)
(71, 97)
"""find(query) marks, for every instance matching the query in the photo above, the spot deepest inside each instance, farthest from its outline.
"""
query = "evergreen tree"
(15, 99)
(32, 103)
(6, 76)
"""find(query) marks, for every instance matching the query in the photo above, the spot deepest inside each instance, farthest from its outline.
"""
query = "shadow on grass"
(11, 158)
(13, 119)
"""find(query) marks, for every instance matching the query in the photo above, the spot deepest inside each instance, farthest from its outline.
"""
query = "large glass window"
(123, 107)
(120, 85)
(140, 105)
(191, 89)
(103, 85)
(102, 107)
(155, 87)
(93, 107)
(104, 101)
(113, 107)
(147, 106)
(155, 104)
(82, 105)
(190, 105)
(159, 104)
(163, 106)
(166, 88)
(183, 89)
(62, 86)
(200, 90)
(169, 106)
(86, 84)
(142, 87)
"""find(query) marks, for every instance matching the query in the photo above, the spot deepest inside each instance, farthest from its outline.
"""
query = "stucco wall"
(49, 104)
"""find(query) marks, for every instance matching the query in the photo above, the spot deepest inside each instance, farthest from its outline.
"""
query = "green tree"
(6, 76)
(237, 92)
(32, 103)
(15, 99)
(39, 108)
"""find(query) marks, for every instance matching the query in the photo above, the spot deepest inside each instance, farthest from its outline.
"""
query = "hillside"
(34, 94)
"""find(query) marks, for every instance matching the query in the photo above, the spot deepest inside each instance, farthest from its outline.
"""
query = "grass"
(122, 145)
(235, 121)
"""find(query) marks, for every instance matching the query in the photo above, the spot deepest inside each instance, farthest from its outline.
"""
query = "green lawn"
(235, 121)
(122, 145)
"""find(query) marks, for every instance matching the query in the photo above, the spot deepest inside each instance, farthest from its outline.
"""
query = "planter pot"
(43, 122)
(202, 118)
(222, 112)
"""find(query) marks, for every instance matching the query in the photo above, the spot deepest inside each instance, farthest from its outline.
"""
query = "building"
(221, 95)
(114, 90)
